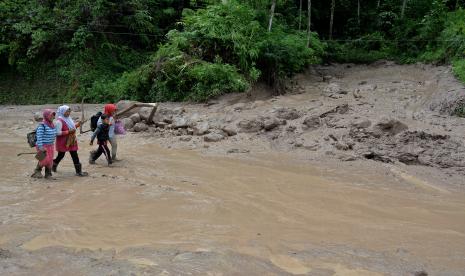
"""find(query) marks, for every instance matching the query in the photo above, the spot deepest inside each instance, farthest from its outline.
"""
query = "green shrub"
(283, 54)
(222, 49)
(458, 67)
(366, 49)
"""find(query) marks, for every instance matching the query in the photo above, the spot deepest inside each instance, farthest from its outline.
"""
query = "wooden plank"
(150, 118)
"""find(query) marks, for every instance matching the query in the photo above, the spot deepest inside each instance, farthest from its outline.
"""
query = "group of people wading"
(63, 130)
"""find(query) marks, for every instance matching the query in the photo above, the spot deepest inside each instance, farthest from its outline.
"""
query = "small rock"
(135, 118)
(389, 126)
(347, 158)
(213, 137)
(312, 122)
(5, 254)
(238, 151)
(362, 124)
(327, 78)
(343, 146)
(185, 138)
(291, 128)
(161, 124)
(362, 83)
(140, 127)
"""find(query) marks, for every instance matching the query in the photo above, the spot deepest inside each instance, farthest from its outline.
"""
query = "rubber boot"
(54, 167)
(48, 172)
(79, 171)
(37, 172)
(91, 157)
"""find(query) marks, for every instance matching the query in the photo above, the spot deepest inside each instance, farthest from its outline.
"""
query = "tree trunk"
(273, 5)
(358, 13)
(402, 12)
(377, 5)
(300, 15)
(333, 4)
(309, 12)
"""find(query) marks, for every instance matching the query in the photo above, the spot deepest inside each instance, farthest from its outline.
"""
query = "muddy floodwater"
(166, 211)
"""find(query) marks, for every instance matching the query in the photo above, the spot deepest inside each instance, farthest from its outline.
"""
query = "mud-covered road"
(259, 200)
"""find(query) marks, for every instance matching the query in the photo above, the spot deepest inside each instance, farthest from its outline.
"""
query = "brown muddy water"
(178, 212)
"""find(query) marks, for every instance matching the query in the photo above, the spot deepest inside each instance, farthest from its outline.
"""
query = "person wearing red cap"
(110, 111)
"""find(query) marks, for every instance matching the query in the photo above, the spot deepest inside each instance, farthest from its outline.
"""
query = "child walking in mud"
(102, 134)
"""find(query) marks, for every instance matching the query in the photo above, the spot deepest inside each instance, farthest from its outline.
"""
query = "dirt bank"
(357, 171)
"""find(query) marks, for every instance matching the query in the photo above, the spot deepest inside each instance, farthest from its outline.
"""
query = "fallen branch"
(22, 153)
(134, 105)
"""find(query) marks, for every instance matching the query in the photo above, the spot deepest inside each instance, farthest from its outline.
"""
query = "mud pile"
(383, 112)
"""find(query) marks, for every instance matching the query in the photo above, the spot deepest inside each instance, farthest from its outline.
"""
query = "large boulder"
(140, 127)
(135, 118)
(180, 122)
(230, 130)
(250, 125)
(121, 105)
(287, 113)
(165, 114)
(127, 123)
(201, 128)
(144, 113)
(270, 123)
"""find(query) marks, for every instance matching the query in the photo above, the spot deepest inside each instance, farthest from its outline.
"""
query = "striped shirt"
(45, 135)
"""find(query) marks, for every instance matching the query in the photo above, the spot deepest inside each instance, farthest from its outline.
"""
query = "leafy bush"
(449, 43)
(221, 49)
(368, 48)
(86, 44)
(282, 54)
(458, 67)
(201, 81)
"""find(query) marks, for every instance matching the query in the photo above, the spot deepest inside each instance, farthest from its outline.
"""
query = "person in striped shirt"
(45, 134)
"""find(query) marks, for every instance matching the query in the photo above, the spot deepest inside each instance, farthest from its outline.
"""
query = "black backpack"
(94, 121)
(32, 137)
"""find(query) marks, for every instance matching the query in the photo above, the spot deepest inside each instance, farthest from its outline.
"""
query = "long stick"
(22, 153)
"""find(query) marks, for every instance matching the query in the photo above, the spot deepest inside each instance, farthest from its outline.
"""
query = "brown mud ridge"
(357, 170)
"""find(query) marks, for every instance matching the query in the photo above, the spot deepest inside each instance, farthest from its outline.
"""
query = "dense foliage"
(156, 50)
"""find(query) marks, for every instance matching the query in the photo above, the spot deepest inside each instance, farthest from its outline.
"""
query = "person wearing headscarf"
(45, 135)
(66, 139)
(110, 111)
